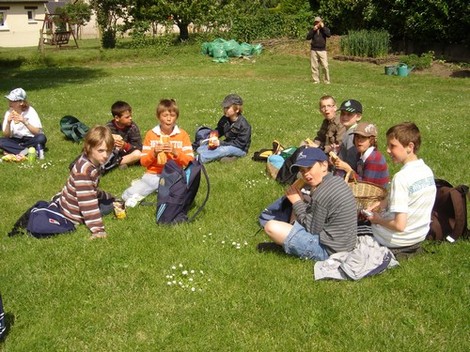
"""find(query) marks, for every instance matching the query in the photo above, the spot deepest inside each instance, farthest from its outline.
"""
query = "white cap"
(16, 95)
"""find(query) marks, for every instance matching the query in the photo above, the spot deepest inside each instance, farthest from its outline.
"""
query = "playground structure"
(56, 32)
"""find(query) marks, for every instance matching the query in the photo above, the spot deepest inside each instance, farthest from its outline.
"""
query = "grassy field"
(70, 294)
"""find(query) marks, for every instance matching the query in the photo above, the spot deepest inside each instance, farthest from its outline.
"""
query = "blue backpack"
(201, 135)
(45, 219)
(177, 190)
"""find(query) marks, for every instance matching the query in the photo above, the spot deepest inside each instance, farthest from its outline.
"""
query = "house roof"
(22, 1)
(52, 6)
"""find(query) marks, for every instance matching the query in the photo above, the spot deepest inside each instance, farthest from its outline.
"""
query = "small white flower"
(173, 267)
(193, 289)
(180, 265)
(184, 272)
(169, 283)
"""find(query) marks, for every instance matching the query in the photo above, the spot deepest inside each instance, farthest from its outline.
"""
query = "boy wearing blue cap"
(236, 130)
(324, 225)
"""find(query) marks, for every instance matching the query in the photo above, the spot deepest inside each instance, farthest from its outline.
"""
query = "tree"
(78, 14)
(108, 12)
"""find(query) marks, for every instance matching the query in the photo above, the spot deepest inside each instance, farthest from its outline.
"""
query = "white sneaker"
(133, 201)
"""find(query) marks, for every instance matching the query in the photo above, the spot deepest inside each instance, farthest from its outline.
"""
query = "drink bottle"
(31, 155)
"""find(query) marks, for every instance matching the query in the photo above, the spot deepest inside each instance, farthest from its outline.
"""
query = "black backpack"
(285, 175)
(449, 213)
(177, 191)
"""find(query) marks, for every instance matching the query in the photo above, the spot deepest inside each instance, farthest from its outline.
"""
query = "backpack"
(177, 190)
(201, 135)
(264, 153)
(285, 175)
(45, 219)
(280, 209)
(3, 326)
(72, 128)
(449, 213)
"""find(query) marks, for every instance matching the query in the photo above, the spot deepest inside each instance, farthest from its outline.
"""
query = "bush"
(265, 24)
(108, 41)
(418, 62)
(366, 43)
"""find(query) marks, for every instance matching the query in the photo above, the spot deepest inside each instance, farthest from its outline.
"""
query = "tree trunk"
(184, 33)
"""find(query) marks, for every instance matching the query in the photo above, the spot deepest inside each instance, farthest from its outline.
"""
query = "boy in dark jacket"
(236, 130)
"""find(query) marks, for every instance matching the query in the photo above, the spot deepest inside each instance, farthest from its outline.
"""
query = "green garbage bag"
(257, 49)
(205, 48)
(232, 48)
(218, 51)
(246, 49)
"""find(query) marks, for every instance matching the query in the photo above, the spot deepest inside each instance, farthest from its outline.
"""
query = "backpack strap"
(458, 195)
(207, 194)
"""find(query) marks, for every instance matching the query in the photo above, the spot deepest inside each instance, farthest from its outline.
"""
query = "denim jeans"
(207, 155)
(303, 244)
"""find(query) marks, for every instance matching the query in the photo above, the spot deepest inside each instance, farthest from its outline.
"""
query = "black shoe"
(270, 247)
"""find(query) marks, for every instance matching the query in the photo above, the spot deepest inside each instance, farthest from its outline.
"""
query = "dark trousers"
(16, 145)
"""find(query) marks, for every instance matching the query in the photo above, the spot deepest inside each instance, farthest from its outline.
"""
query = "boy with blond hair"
(164, 142)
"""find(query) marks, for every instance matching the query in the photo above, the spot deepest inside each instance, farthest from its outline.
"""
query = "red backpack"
(449, 213)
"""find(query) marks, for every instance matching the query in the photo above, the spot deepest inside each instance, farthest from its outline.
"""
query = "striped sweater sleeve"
(80, 196)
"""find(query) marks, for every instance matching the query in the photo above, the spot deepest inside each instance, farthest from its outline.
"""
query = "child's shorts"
(303, 244)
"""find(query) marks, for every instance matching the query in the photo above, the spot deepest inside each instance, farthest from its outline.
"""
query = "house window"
(3, 19)
(31, 16)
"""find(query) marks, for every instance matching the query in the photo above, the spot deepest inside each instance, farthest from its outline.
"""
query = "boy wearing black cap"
(328, 222)
(351, 114)
(236, 130)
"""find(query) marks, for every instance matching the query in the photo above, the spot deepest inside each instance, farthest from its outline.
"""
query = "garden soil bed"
(302, 48)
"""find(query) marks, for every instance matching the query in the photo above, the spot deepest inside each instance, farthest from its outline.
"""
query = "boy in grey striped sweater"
(328, 222)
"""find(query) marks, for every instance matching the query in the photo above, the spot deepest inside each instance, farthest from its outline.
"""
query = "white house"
(21, 22)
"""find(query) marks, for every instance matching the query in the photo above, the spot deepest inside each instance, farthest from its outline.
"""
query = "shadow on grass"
(47, 77)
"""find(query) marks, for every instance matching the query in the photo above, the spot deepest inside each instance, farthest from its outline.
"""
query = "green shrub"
(366, 43)
(418, 62)
(268, 24)
(108, 41)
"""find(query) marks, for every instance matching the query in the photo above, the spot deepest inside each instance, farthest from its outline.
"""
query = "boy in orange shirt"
(164, 142)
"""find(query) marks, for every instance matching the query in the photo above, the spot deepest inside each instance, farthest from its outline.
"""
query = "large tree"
(180, 12)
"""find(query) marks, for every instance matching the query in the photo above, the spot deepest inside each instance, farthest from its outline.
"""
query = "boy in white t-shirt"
(407, 215)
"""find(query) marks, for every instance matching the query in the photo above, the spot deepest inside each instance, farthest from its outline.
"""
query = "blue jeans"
(303, 244)
(207, 155)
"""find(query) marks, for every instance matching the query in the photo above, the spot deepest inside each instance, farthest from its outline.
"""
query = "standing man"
(318, 35)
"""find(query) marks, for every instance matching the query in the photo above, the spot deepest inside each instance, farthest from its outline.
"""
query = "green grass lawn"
(70, 294)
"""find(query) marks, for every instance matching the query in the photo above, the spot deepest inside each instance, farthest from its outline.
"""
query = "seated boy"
(127, 138)
(327, 223)
(165, 141)
(407, 215)
(330, 134)
(351, 114)
(371, 165)
(236, 130)
(81, 201)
